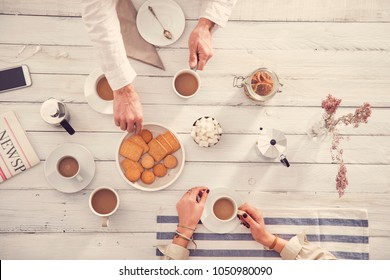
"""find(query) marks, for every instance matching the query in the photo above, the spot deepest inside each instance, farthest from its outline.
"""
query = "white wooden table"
(315, 47)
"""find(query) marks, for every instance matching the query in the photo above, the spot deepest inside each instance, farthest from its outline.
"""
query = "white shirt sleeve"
(101, 20)
(217, 11)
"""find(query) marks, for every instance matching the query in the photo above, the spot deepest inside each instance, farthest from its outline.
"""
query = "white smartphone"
(14, 78)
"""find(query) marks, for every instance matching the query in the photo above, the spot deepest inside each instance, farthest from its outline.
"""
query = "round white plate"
(160, 182)
(170, 15)
(92, 97)
(87, 167)
(210, 221)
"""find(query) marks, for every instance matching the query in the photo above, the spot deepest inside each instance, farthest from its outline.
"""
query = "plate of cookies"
(151, 160)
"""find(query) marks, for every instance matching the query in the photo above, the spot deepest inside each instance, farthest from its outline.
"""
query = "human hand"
(189, 209)
(253, 219)
(127, 109)
(199, 44)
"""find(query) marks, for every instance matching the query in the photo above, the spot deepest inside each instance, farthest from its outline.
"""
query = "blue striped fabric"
(346, 238)
(289, 221)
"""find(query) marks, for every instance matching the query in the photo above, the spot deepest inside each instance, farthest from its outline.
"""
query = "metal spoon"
(166, 33)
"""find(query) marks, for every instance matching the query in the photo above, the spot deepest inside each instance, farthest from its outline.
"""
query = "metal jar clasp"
(238, 81)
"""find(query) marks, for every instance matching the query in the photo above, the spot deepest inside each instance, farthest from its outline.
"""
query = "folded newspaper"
(16, 153)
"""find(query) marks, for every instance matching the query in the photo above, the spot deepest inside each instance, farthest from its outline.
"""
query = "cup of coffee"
(104, 201)
(225, 209)
(103, 89)
(69, 168)
(186, 83)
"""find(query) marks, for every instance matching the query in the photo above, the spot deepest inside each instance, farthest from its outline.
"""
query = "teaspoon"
(166, 33)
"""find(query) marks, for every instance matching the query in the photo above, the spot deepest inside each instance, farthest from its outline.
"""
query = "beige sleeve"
(299, 248)
(174, 252)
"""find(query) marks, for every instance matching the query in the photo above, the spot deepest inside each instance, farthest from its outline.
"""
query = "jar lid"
(262, 84)
(53, 111)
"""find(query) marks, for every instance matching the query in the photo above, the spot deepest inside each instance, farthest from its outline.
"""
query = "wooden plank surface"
(295, 92)
(243, 176)
(315, 47)
(284, 118)
(266, 10)
(101, 246)
(266, 36)
(71, 213)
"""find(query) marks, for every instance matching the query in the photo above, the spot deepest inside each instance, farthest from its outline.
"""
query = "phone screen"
(12, 78)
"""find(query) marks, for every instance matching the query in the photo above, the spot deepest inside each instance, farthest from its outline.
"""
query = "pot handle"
(67, 126)
(281, 85)
(238, 81)
(284, 160)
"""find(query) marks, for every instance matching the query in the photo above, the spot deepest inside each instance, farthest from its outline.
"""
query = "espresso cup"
(225, 209)
(186, 83)
(104, 201)
(69, 168)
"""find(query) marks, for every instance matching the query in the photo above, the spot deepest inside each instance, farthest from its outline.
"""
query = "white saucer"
(93, 99)
(210, 221)
(87, 167)
(171, 16)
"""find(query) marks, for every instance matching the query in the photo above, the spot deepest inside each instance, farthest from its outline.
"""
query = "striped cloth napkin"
(344, 232)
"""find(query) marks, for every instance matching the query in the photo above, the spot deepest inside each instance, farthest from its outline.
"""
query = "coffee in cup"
(186, 83)
(225, 209)
(104, 201)
(68, 168)
(104, 90)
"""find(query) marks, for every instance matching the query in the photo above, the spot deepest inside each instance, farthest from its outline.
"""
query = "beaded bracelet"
(179, 234)
(193, 229)
(274, 243)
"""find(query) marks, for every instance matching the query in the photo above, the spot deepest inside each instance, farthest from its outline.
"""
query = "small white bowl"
(219, 135)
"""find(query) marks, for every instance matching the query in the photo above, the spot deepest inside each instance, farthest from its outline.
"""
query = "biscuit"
(146, 135)
(147, 177)
(160, 170)
(131, 150)
(139, 167)
(170, 161)
(127, 163)
(172, 140)
(156, 150)
(147, 162)
(165, 144)
(140, 142)
(133, 174)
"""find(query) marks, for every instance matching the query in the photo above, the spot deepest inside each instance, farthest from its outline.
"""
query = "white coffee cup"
(104, 201)
(189, 89)
(63, 169)
(225, 209)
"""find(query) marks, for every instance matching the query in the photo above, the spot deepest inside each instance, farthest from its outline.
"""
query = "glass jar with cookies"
(260, 85)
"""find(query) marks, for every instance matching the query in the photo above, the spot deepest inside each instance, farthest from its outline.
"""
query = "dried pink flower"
(361, 115)
(330, 104)
(341, 179)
